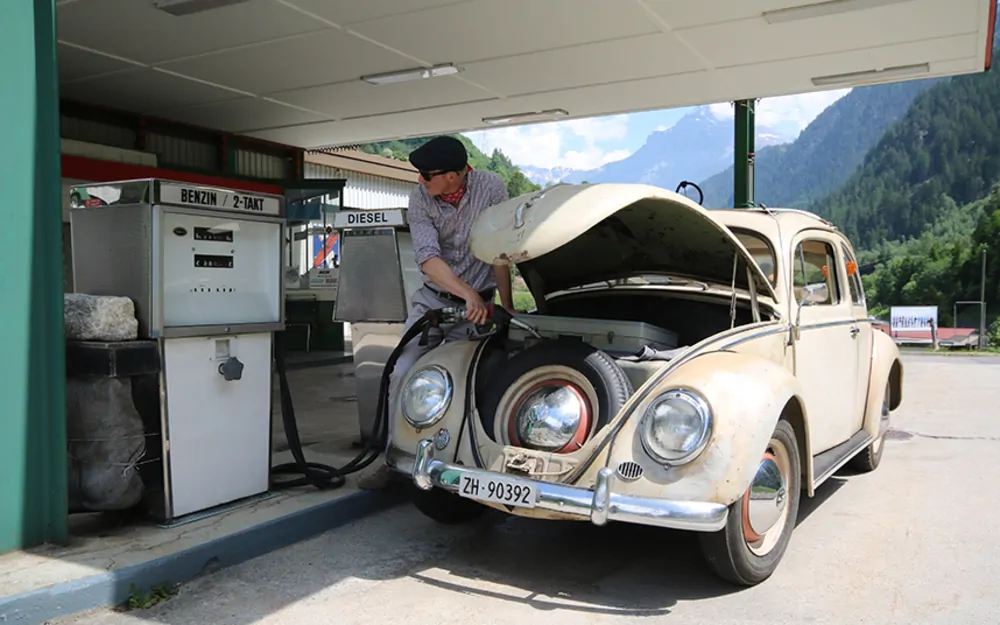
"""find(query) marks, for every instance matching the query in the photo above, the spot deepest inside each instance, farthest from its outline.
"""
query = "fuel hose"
(325, 477)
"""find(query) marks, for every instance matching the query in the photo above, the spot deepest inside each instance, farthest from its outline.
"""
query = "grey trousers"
(422, 300)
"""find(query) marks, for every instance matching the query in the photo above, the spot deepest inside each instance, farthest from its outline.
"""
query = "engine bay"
(555, 379)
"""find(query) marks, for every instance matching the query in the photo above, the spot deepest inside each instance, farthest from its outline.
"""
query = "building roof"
(361, 162)
(290, 71)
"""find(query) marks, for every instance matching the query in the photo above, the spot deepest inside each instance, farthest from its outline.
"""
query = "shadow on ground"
(625, 570)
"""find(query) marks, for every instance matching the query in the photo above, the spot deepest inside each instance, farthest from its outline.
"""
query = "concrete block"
(99, 318)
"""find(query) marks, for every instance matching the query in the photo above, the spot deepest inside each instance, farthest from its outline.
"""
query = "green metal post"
(33, 490)
(743, 178)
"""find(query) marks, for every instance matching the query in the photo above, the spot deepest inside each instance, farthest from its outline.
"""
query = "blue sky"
(592, 142)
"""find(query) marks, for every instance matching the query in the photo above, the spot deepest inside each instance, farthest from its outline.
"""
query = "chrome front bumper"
(599, 505)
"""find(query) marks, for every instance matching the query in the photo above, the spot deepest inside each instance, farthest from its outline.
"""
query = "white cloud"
(555, 144)
(592, 158)
(799, 109)
(722, 110)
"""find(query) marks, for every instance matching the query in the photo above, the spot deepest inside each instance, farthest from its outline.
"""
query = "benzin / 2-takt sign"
(210, 197)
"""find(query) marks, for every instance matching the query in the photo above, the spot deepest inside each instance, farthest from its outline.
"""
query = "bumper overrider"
(600, 505)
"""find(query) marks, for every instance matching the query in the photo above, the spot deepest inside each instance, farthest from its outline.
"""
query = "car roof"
(768, 221)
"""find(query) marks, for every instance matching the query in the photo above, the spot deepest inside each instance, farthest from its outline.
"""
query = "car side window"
(815, 274)
(853, 277)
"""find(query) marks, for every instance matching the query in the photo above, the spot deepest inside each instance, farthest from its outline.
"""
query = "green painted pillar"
(743, 178)
(33, 491)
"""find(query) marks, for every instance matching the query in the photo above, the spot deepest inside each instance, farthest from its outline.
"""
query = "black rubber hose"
(324, 476)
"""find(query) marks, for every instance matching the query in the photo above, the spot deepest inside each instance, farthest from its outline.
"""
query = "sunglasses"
(428, 175)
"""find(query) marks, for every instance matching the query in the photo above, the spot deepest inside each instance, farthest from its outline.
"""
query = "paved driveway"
(914, 542)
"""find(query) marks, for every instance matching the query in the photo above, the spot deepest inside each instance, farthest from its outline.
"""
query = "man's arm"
(444, 277)
(502, 272)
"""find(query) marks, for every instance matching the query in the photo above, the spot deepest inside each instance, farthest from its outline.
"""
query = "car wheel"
(760, 523)
(444, 507)
(592, 387)
(869, 459)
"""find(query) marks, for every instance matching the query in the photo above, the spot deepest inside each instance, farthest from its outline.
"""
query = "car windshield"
(760, 250)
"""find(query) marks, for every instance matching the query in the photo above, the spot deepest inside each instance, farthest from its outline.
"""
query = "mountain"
(697, 146)
(827, 151)
(944, 152)
(544, 176)
(517, 182)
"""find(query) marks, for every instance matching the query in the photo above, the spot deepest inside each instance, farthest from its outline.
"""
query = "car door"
(862, 334)
(826, 352)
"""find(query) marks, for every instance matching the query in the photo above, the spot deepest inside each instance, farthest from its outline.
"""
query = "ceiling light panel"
(888, 73)
(418, 73)
(824, 9)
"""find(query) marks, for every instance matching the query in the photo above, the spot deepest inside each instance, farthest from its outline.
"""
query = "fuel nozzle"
(496, 315)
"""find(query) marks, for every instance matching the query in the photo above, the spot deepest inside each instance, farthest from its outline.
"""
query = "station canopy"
(319, 73)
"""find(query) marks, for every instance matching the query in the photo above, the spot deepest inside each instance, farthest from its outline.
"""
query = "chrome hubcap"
(767, 496)
(765, 504)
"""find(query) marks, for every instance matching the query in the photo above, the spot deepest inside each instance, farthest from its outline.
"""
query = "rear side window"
(760, 251)
(853, 277)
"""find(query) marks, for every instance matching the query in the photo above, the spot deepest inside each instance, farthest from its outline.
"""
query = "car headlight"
(549, 417)
(426, 396)
(676, 427)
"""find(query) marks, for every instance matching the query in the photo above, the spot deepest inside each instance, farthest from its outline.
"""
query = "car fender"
(456, 358)
(887, 366)
(747, 395)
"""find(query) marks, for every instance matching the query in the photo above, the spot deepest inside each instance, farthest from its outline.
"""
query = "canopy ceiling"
(290, 71)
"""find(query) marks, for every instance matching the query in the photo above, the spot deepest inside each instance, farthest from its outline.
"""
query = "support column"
(743, 177)
(33, 491)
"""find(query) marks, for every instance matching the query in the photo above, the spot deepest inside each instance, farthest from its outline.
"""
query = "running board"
(827, 463)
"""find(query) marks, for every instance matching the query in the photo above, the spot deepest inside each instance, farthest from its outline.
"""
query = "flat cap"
(440, 153)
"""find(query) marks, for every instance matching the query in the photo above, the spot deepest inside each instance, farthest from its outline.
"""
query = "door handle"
(854, 332)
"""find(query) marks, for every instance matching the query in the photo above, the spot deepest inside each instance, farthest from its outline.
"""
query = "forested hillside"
(944, 152)
(517, 182)
(942, 266)
(827, 151)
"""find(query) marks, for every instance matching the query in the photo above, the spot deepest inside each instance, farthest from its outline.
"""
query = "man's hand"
(475, 308)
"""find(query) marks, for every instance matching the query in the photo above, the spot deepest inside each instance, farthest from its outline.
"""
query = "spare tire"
(567, 378)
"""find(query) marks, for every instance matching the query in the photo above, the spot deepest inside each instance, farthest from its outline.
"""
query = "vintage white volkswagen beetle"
(685, 368)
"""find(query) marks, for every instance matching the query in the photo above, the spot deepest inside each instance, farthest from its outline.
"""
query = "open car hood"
(570, 235)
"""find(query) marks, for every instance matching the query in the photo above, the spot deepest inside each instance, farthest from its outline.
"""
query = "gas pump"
(203, 266)
(378, 275)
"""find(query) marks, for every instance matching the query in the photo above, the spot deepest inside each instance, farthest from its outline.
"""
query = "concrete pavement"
(913, 542)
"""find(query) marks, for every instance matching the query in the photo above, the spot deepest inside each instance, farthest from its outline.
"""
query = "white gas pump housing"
(378, 275)
(203, 266)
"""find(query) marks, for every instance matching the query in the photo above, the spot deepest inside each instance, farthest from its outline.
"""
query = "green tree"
(498, 162)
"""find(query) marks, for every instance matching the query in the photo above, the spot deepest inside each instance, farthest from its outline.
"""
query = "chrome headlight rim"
(700, 404)
(504, 428)
(449, 391)
(516, 421)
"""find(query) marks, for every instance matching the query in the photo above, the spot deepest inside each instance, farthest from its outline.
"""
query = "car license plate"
(498, 490)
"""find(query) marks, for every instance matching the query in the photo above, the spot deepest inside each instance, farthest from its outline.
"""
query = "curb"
(107, 590)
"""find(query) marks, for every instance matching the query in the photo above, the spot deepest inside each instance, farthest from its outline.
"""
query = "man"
(442, 209)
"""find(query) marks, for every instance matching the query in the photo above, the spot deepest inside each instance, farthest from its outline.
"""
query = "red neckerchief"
(456, 197)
